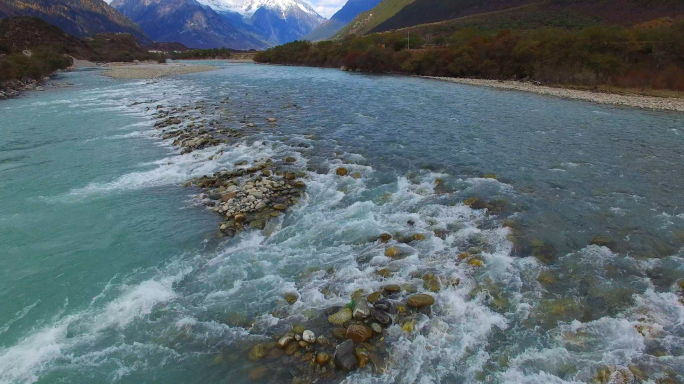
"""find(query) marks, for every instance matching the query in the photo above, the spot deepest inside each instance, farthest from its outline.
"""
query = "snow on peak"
(248, 7)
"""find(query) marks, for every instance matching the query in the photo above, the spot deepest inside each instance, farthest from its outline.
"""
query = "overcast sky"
(327, 8)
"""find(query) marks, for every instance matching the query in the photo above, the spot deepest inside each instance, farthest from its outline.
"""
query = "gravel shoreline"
(151, 71)
(646, 102)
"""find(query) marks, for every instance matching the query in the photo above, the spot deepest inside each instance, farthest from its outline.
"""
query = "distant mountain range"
(189, 23)
(237, 24)
(345, 15)
(77, 17)
(275, 21)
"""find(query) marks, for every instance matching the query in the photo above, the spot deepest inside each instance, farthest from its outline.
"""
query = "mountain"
(187, 22)
(365, 21)
(346, 14)
(76, 17)
(530, 13)
(276, 21)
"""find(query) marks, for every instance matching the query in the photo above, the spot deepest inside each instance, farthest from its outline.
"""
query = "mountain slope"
(344, 16)
(25, 32)
(276, 21)
(365, 21)
(76, 17)
(553, 12)
(187, 22)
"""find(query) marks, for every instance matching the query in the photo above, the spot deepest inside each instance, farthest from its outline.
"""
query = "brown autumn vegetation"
(646, 58)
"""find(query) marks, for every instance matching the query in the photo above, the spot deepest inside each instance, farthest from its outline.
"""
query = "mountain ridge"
(77, 17)
(341, 18)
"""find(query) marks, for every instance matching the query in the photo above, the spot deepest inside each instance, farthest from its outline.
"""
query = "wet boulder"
(381, 317)
(345, 359)
(341, 317)
(420, 300)
(359, 333)
(361, 309)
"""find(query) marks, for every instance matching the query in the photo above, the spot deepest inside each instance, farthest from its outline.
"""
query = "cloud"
(327, 8)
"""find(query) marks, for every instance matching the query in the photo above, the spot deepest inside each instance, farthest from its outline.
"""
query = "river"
(548, 231)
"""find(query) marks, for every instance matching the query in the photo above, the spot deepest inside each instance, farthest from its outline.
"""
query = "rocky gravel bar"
(636, 101)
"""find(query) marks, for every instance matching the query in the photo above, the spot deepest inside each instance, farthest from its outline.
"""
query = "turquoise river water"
(111, 270)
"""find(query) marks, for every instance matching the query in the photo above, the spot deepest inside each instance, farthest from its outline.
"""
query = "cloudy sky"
(327, 8)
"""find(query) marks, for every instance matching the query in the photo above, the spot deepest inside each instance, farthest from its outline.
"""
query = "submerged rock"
(420, 300)
(392, 288)
(285, 340)
(322, 358)
(344, 357)
(341, 317)
(291, 298)
(373, 297)
(342, 171)
(259, 351)
(393, 252)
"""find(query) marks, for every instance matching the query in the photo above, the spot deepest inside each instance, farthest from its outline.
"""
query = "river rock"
(384, 305)
(361, 309)
(359, 333)
(322, 358)
(431, 282)
(309, 337)
(341, 317)
(362, 355)
(227, 196)
(298, 328)
(342, 171)
(291, 298)
(322, 340)
(392, 252)
(381, 317)
(258, 373)
(392, 288)
(280, 207)
(385, 237)
(344, 357)
(259, 351)
(291, 348)
(420, 300)
(285, 340)
(377, 328)
(373, 297)
(339, 333)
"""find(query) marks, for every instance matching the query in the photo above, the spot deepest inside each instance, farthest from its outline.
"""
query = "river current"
(551, 231)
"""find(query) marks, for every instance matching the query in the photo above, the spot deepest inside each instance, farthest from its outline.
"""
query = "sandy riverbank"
(637, 101)
(151, 71)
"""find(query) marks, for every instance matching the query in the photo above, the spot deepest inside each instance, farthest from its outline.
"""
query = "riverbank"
(151, 71)
(636, 101)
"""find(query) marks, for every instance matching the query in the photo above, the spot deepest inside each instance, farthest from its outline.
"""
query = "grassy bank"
(646, 58)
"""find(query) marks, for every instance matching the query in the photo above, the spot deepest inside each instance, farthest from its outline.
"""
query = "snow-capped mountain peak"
(248, 7)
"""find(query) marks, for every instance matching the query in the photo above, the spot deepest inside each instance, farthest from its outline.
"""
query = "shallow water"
(110, 271)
